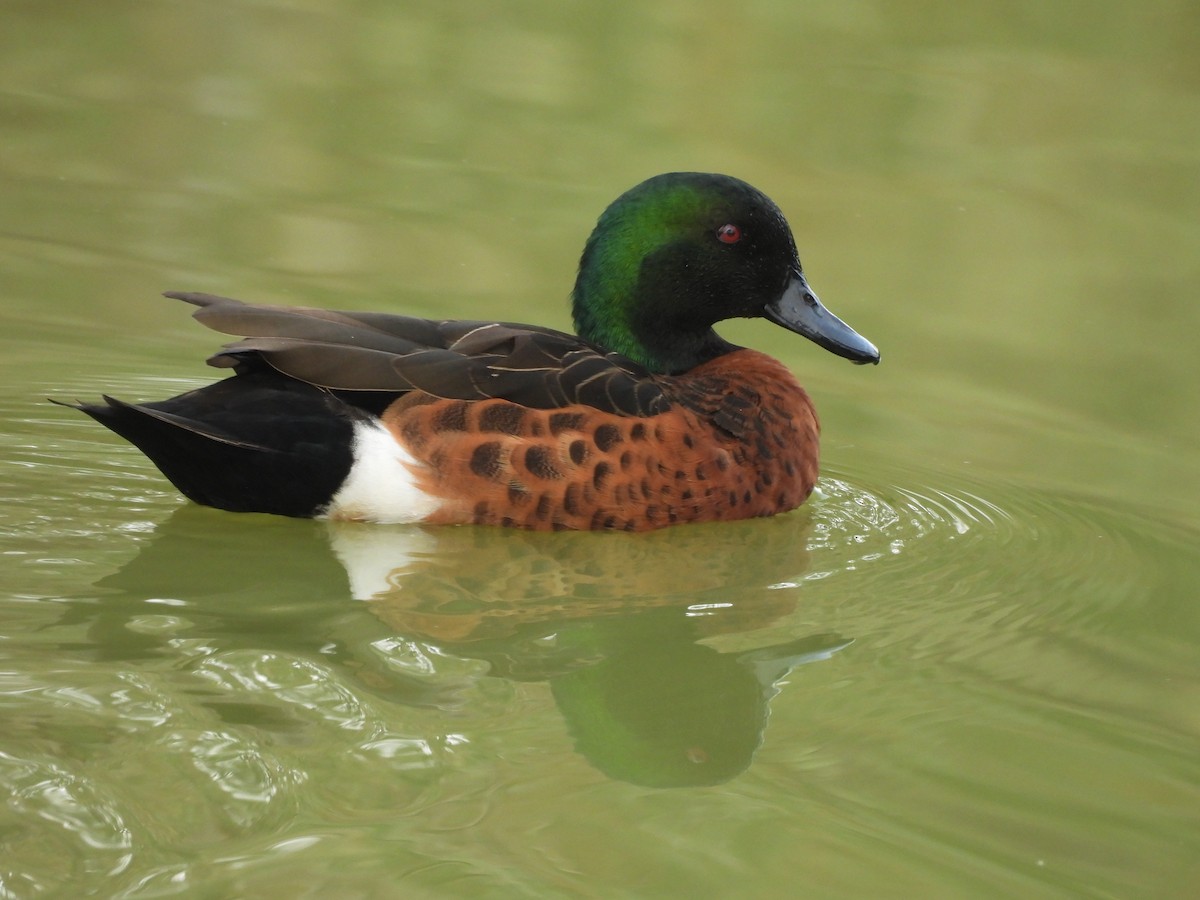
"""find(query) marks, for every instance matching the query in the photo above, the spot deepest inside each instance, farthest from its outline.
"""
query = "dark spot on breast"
(413, 434)
(518, 494)
(733, 498)
(543, 507)
(480, 512)
(571, 500)
(701, 473)
(607, 437)
(747, 497)
(638, 432)
(768, 478)
(539, 463)
(451, 417)
(536, 429)
(559, 526)
(686, 495)
(508, 521)
(485, 460)
(722, 461)
(560, 422)
(629, 525)
(687, 441)
(764, 449)
(578, 452)
(789, 468)
(506, 418)
(600, 474)
(626, 461)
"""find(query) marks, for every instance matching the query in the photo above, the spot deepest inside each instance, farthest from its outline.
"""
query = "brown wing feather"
(540, 368)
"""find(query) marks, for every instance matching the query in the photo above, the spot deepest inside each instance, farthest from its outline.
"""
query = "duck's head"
(683, 251)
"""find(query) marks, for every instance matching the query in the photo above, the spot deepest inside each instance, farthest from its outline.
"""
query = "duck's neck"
(624, 308)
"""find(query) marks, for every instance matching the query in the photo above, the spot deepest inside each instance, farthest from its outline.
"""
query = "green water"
(967, 668)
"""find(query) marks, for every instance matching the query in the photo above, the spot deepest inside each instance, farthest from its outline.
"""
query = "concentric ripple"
(968, 538)
(900, 514)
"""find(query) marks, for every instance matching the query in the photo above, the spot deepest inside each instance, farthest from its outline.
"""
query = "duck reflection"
(645, 640)
(614, 623)
(667, 712)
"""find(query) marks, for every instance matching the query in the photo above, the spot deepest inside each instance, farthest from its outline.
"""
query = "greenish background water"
(977, 647)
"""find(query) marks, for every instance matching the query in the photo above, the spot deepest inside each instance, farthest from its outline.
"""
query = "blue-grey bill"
(798, 309)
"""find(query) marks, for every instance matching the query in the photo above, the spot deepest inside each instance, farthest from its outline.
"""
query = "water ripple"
(290, 680)
(956, 534)
(900, 514)
(58, 808)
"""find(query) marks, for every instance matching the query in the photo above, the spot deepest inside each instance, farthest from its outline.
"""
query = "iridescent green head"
(682, 251)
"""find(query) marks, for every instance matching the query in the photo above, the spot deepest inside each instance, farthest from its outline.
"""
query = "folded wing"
(374, 352)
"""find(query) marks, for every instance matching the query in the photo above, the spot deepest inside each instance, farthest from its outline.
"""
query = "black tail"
(255, 442)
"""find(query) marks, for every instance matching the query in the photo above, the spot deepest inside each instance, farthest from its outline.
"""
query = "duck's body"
(584, 468)
(644, 420)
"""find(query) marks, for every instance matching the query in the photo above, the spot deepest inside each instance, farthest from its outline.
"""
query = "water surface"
(966, 667)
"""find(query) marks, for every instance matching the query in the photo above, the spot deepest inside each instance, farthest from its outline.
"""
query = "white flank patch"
(381, 486)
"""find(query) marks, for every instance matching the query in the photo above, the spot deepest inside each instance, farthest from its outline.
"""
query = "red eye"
(729, 234)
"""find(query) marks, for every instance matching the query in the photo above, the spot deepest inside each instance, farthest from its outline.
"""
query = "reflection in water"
(632, 633)
(644, 640)
(239, 582)
(668, 712)
(612, 622)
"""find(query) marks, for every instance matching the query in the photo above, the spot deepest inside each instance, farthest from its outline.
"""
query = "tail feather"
(267, 444)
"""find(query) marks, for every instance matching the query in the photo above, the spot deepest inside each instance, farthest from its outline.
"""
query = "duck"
(643, 418)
